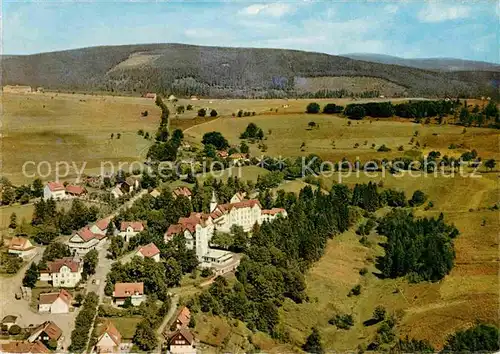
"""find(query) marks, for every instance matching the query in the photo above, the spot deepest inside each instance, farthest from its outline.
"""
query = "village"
(43, 314)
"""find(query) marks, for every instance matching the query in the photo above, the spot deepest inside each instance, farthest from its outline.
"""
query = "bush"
(343, 321)
(355, 112)
(202, 112)
(418, 198)
(383, 148)
(206, 272)
(313, 108)
(52, 344)
(213, 113)
(189, 107)
(14, 330)
(363, 271)
(379, 313)
(356, 290)
(332, 108)
(480, 338)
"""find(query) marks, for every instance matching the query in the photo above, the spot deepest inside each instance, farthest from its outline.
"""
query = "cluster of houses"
(58, 191)
(39, 338)
(236, 158)
(198, 228)
(127, 186)
(181, 339)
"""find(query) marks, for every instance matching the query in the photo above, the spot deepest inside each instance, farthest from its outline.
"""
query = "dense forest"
(217, 72)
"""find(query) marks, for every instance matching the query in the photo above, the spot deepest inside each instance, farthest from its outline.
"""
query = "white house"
(22, 247)
(84, 240)
(109, 340)
(182, 342)
(64, 272)
(116, 192)
(59, 302)
(55, 190)
(134, 291)
(129, 229)
(149, 251)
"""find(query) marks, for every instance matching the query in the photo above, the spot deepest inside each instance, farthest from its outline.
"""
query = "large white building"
(199, 228)
(84, 240)
(63, 273)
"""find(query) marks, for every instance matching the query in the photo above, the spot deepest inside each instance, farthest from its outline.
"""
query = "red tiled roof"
(85, 234)
(55, 186)
(24, 347)
(174, 229)
(128, 289)
(182, 191)
(222, 153)
(237, 155)
(149, 250)
(136, 225)
(273, 211)
(243, 204)
(77, 190)
(49, 327)
(56, 265)
(111, 330)
(103, 223)
(49, 298)
(184, 316)
(19, 244)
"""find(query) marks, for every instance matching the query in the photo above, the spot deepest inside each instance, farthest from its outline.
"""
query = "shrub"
(379, 313)
(14, 330)
(332, 108)
(343, 321)
(356, 290)
(52, 344)
(418, 198)
(189, 107)
(313, 108)
(363, 271)
(202, 112)
(383, 148)
(213, 113)
(206, 272)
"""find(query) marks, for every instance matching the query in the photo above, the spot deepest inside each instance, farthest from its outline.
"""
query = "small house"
(101, 227)
(22, 247)
(59, 302)
(9, 321)
(45, 332)
(75, 191)
(182, 341)
(149, 251)
(54, 190)
(155, 193)
(183, 318)
(132, 291)
(182, 191)
(109, 339)
(129, 229)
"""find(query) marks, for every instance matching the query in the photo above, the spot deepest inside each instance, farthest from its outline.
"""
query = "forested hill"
(217, 71)
(438, 64)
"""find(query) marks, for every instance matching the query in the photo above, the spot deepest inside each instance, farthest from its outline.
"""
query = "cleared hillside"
(211, 71)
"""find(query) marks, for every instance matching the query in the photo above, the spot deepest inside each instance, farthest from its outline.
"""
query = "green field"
(126, 325)
(284, 135)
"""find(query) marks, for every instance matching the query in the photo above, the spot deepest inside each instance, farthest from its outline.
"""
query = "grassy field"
(285, 134)
(126, 325)
(75, 128)
(426, 310)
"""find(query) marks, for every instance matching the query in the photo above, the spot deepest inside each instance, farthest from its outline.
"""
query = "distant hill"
(438, 64)
(223, 72)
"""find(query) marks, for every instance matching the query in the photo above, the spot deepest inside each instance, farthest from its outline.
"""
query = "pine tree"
(13, 221)
(313, 343)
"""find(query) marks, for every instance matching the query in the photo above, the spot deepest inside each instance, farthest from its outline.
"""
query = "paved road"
(166, 320)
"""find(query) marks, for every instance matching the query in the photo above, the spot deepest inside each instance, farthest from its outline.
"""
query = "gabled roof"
(85, 234)
(136, 225)
(184, 316)
(56, 265)
(49, 298)
(55, 186)
(77, 190)
(9, 319)
(184, 191)
(50, 328)
(155, 193)
(24, 347)
(149, 250)
(103, 223)
(226, 208)
(185, 333)
(128, 289)
(188, 223)
(112, 332)
(19, 244)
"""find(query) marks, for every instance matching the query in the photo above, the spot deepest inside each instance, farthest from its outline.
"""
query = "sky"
(410, 29)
